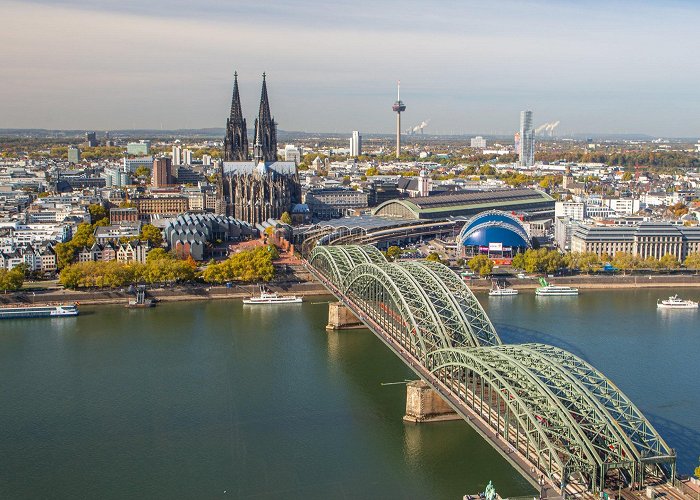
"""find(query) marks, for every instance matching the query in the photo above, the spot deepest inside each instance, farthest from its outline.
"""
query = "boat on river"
(39, 311)
(547, 289)
(268, 297)
(675, 302)
(498, 290)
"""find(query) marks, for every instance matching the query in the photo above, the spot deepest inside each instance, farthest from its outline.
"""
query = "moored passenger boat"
(548, 289)
(267, 297)
(38, 311)
(675, 302)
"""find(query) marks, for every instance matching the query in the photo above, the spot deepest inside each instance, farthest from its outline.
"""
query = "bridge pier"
(423, 404)
(341, 318)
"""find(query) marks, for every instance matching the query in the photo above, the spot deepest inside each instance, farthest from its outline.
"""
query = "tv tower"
(398, 107)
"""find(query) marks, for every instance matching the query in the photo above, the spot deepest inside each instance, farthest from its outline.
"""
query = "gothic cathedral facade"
(260, 188)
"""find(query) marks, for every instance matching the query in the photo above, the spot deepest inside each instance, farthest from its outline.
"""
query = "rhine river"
(217, 399)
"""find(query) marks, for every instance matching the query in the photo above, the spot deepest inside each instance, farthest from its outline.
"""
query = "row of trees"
(11, 280)
(543, 260)
(162, 267)
(249, 265)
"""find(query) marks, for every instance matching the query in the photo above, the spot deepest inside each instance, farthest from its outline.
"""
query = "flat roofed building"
(330, 203)
(647, 239)
(161, 205)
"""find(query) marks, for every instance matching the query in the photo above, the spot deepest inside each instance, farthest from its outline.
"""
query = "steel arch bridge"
(563, 417)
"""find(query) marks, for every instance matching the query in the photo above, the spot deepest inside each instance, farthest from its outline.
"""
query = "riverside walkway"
(560, 422)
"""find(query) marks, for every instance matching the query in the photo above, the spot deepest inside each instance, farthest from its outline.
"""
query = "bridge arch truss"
(564, 416)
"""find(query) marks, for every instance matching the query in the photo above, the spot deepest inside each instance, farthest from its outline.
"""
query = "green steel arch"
(395, 299)
(475, 316)
(562, 414)
(576, 438)
(336, 261)
(642, 435)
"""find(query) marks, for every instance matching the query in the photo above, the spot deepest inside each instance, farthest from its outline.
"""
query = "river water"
(221, 400)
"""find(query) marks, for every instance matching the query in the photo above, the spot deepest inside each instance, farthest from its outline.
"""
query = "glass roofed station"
(497, 234)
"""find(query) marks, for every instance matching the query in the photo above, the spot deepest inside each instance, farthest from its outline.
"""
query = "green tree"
(11, 280)
(248, 265)
(97, 212)
(518, 261)
(652, 263)
(285, 218)
(481, 264)
(627, 176)
(392, 253)
(65, 253)
(372, 171)
(669, 261)
(624, 261)
(434, 257)
(143, 171)
(158, 254)
(84, 236)
(152, 234)
(692, 261)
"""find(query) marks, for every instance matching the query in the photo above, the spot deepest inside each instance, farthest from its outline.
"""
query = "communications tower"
(398, 107)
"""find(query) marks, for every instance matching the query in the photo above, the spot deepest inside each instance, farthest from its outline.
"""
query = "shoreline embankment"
(304, 285)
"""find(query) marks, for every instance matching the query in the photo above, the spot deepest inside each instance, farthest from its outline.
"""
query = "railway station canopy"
(533, 203)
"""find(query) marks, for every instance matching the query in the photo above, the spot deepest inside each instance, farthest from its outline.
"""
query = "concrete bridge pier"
(341, 318)
(423, 404)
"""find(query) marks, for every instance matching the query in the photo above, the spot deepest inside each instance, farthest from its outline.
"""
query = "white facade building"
(478, 142)
(355, 144)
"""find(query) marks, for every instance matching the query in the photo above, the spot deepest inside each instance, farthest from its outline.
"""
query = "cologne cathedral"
(262, 188)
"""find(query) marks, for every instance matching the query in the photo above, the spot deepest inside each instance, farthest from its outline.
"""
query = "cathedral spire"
(265, 127)
(236, 111)
(236, 139)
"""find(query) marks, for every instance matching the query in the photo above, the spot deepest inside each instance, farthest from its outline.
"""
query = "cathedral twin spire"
(265, 137)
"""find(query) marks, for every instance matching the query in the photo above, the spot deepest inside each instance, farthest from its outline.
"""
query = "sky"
(467, 67)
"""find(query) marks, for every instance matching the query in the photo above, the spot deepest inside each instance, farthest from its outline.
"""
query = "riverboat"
(674, 302)
(498, 290)
(267, 297)
(547, 289)
(39, 311)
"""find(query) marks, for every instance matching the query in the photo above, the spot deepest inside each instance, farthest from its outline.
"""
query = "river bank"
(169, 294)
(596, 281)
(305, 286)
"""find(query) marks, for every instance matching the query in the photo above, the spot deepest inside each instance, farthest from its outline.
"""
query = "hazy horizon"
(604, 67)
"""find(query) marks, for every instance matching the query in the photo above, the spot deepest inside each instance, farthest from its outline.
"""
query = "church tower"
(236, 140)
(266, 128)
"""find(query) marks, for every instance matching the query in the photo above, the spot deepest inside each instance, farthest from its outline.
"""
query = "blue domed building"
(495, 233)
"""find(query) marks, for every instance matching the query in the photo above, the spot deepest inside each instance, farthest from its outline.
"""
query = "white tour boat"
(267, 297)
(38, 311)
(548, 289)
(674, 302)
(501, 291)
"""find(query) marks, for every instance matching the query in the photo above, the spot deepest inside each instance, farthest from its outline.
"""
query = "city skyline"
(466, 69)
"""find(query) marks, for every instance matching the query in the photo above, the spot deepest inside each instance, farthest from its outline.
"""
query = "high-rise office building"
(91, 139)
(187, 156)
(355, 144)
(73, 154)
(162, 172)
(526, 148)
(177, 155)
